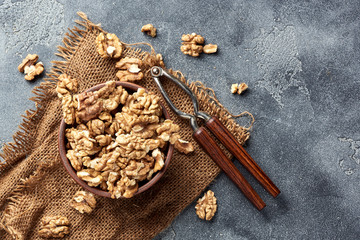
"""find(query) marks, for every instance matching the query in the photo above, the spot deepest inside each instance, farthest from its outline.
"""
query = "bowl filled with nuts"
(116, 139)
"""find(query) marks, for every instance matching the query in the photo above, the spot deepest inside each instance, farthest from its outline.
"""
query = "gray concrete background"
(301, 62)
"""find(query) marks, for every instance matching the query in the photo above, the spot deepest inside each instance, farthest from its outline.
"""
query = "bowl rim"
(66, 163)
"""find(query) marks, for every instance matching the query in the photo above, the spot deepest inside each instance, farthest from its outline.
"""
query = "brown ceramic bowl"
(130, 87)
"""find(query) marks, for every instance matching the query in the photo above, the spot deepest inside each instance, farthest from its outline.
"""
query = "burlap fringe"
(23, 138)
(15, 198)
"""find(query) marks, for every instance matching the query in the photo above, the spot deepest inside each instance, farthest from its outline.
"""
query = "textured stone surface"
(301, 62)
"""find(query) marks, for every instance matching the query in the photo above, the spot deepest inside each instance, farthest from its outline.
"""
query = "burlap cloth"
(33, 183)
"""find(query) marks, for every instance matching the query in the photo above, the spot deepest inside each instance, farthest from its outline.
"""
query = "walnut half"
(83, 202)
(206, 206)
(184, 146)
(29, 67)
(54, 227)
(109, 45)
(191, 44)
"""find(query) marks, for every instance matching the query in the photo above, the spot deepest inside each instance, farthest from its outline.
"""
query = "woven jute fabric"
(34, 184)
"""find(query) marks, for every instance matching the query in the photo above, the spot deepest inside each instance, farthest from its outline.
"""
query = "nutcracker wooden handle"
(209, 145)
(230, 142)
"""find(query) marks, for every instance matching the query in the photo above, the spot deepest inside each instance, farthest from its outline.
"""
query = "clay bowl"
(130, 87)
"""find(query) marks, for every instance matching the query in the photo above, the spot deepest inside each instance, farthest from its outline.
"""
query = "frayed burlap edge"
(14, 151)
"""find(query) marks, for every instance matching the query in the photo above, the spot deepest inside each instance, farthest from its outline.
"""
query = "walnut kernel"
(193, 38)
(83, 201)
(184, 146)
(29, 67)
(92, 177)
(190, 45)
(159, 159)
(129, 69)
(149, 29)
(96, 127)
(160, 60)
(242, 87)
(109, 45)
(210, 48)
(137, 170)
(54, 227)
(88, 106)
(206, 206)
(68, 109)
(125, 187)
(66, 85)
(76, 160)
(234, 88)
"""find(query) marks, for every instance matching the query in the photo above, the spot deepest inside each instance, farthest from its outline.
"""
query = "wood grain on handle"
(230, 142)
(209, 145)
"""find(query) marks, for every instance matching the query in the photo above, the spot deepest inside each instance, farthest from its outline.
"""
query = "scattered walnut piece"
(206, 206)
(242, 87)
(149, 29)
(83, 201)
(108, 46)
(190, 45)
(210, 48)
(66, 85)
(29, 67)
(54, 227)
(184, 146)
(238, 88)
(129, 69)
(234, 88)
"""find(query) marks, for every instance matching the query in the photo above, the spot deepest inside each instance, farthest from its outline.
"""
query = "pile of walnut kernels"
(116, 139)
